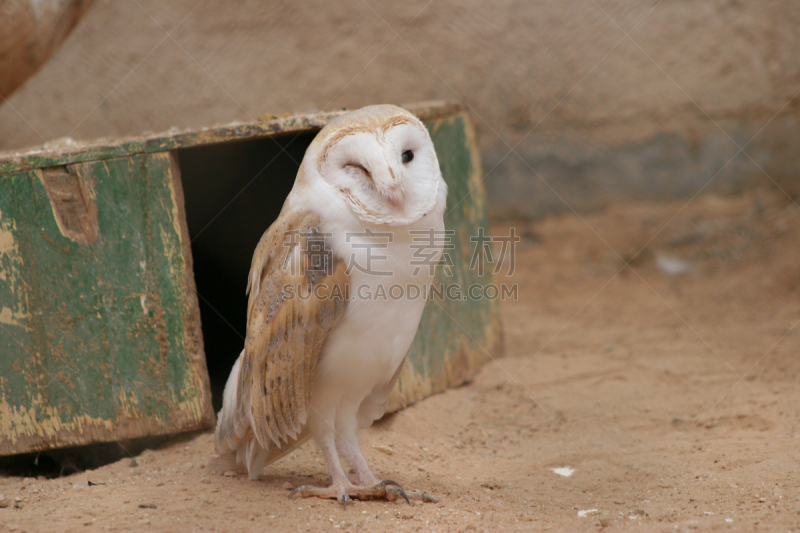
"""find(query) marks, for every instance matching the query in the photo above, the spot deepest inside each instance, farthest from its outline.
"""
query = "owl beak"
(397, 200)
(392, 189)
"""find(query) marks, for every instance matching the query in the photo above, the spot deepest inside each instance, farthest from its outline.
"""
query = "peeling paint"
(175, 170)
(6, 239)
(7, 245)
(7, 317)
(39, 426)
(10, 267)
(40, 420)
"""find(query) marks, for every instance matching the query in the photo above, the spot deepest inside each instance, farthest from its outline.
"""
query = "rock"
(384, 450)
(147, 456)
(3, 501)
(230, 473)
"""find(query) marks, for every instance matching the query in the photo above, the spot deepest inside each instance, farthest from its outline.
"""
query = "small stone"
(383, 450)
(229, 473)
(147, 456)
(18, 503)
(3, 501)
(205, 481)
(287, 486)
(134, 463)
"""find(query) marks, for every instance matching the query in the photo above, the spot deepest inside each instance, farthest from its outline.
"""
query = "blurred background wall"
(576, 103)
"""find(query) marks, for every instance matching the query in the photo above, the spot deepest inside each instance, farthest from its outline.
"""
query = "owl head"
(378, 162)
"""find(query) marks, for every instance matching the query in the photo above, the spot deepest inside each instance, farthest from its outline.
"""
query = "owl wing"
(297, 290)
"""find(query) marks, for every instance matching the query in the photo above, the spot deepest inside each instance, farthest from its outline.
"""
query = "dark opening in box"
(233, 192)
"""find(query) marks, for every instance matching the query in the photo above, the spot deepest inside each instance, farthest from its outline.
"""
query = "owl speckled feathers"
(323, 365)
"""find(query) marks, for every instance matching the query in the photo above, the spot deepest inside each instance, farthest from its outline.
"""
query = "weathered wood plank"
(100, 340)
(106, 149)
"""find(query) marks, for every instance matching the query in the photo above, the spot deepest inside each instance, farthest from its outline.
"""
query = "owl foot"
(387, 489)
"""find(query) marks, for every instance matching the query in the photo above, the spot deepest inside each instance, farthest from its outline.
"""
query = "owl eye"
(408, 155)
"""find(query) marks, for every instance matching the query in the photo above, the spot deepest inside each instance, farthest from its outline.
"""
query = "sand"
(671, 400)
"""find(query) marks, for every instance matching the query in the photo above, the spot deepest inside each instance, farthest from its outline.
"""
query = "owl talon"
(302, 490)
(387, 489)
(393, 493)
(393, 490)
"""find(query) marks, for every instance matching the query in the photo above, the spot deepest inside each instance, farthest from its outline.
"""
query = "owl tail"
(228, 438)
(236, 444)
(236, 451)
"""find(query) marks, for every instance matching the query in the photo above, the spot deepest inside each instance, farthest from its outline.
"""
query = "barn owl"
(323, 351)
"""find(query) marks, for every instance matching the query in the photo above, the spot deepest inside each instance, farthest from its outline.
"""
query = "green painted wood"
(457, 333)
(99, 341)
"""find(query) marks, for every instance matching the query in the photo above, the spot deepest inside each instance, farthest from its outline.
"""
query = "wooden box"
(111, 251)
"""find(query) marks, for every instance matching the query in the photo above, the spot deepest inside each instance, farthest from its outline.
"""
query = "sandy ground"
(674, 399)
